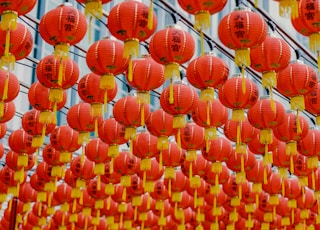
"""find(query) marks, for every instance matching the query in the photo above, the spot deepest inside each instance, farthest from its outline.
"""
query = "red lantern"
(312, 103)
(38, 96)
(309, 146)
(10, 86)
(160, 124)
(182, 100)
(171, 46)
(260, 148)
(146, 75)
(308, 19)
(80, 118)
(145, 145)
(270, 57)
(64, 139)
(63, 194)
(3, 130)
(238, 94)
(83, 171)
(233, 189)
(63, 26)
(293, 129)
(210, 115)
(265, 115)
(123, 27)
(51, 156)
(128, 112)
(7, 111)
(13, 161)
(110, 177)
(20, 142)
(112, 133)
(21, 43)
(32, 125)
(220, 150)
(106, 65)
(192, 139)
(241, 164)
(90, 92)
(273, 187)
(241, 30)
(202, 11)
(296, 80)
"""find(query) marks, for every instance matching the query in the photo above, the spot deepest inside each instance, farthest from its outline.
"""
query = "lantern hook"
(298, 53)
(238, 2)
(272, 25)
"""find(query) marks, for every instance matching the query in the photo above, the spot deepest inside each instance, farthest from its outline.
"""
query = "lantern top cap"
(243, 8)
(174, 26)
(65, 4)
(264, 97)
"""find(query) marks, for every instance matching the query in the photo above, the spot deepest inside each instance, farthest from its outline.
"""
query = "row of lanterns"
(159, 183)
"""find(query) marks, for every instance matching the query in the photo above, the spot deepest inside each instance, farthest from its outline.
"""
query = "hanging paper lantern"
(83, 171)
(309, 146)
(265, 116)
(51, 156)
(90, 92)
(192, 139)
(65, 139)
(288, 8)
(295, 81)
(50, 75)
(170, 47)
(7, 177)
(32, 125)
(207, 73)
(20, 142)
(260, 148)
(235, 162)
(149, 174)
(233, 189)
(199, 166)
(302, 171)
(7, 112)
(3, 129)
(242, 30)
(10, 86)
(105, 58)
(13, 161)
(293, 128)
(62, 27)
(210, 115)
(21, 44)
(292, 191)
(128, 112)
(145, 146)
(80, 118)
(202, 11)
(160, 124)
(112, 133)
(146, 75)
(128, 22)
(232, 95)
(177, 103)
(270, 57)
(96, 151)
(38, 96)
(312, 103)
(308, 17)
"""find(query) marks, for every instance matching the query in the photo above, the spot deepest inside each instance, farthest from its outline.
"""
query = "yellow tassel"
(83, 137)
(195, 198)
(90, 29)
(113, 151)
(130, 133)
(5, 89)
(171, 70)
(207, 94)
(269, 79)
(171, 93)
(201, 42)
(202, 20)
(242, 163)
(56, 95)
(179, 121)
(256, 3)
(7, 44)
(10, 205)
(95, 127)
(243, 81)
(61, 72)
(1, 108)
(130, 70)
(240, 191)
(210, 134)
(131, 48)
(291, 148)
(291, 164)
(142, 115)
(242, 57)
(238, 115)
(179, 138)
(9, 20)
(313, 180)
(169, 187)
(107, 81)
(238, 134)
(160, 160)
(288, 8)
(150, 15)
(265, 175)
(208, 112)
(298, 123)
(143, 97)
(93, 8)
(61, 52)
(96, 109)
(318, 61)
(297, 103)
(190, 171)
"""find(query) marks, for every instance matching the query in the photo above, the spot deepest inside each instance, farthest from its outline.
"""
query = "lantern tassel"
(238, 134)
(160, 160)
(169, 187)
(291, 163)
(202, 20)
(142, 115)
(208, 112)
(242, 57)
(130, 70)
(94, 8)
(243, 80)
(124, 193)
(298, 124)
(107, 81)
(105, 101)
(171, 96)
(5, 89)
(179, 138)
(190, 171)
(1, 108)
(131, 49)
(150, 15)
(202, 42)
(195, 198)
(171, 70)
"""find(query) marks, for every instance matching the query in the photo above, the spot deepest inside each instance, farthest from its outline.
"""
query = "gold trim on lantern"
(9, 20)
